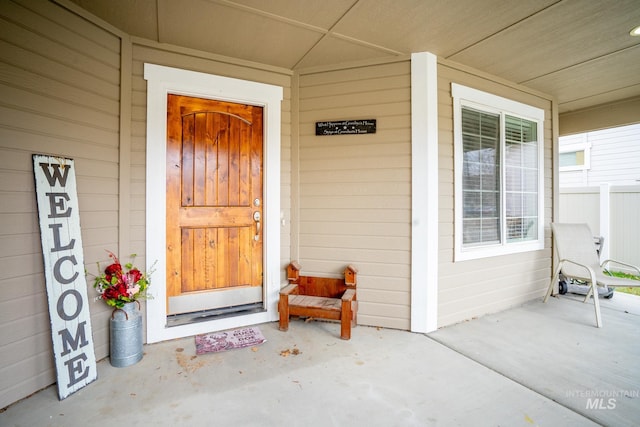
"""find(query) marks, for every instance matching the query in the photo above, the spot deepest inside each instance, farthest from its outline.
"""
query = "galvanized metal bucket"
(125, 331)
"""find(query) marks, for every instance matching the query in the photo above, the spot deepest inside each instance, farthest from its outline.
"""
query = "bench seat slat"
(315, 302)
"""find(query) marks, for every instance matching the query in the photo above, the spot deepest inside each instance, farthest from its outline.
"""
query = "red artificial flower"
(114, 292)
(113, 269)
(135, 275)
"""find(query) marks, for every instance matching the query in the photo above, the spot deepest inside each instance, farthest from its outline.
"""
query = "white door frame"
(161, 81)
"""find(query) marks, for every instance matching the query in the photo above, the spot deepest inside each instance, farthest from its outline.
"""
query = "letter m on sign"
(59, 218)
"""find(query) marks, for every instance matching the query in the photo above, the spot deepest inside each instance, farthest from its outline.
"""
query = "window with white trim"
(499, 175)
(574, 157)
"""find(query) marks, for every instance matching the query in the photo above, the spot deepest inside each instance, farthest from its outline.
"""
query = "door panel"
(214, 204)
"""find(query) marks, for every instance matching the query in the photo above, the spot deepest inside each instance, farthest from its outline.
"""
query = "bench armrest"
(289, 289)
(349, 295)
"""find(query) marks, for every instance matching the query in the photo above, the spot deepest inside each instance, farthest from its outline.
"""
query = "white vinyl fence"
(612, 212)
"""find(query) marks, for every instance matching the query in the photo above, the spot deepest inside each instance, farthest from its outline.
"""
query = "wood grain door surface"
(214, 204)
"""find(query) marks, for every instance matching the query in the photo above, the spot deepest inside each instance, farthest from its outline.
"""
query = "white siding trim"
(161, 81)
(424, 194)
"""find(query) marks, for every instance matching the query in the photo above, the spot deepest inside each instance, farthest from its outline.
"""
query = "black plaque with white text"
(346, 127)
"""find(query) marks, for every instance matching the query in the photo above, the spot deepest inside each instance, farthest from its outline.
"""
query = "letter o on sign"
(61, 312)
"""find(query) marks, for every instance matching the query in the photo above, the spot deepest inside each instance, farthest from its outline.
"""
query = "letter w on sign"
(59, 218)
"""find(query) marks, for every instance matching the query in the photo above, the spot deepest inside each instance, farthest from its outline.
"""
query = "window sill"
(467, 254)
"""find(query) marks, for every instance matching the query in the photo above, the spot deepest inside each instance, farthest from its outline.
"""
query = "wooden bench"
(320, 297)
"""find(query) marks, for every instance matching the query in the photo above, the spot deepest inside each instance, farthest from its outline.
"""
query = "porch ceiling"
(579, 51)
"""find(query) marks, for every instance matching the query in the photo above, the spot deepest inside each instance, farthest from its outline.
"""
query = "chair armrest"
(592, 273)
(349, 295)
(619, 263)
(289, 289)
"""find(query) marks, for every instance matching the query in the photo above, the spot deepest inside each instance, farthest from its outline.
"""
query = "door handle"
(256, 218)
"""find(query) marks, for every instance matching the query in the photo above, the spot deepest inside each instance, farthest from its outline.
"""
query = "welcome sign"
(59, 216)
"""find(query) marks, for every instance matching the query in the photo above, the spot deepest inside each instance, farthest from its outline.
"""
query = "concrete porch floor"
(535, 365)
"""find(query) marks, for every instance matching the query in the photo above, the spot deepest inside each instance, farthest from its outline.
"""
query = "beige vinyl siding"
(471, 288)
(344, 199)
(60, 94)
(59, 91)
(355, 190)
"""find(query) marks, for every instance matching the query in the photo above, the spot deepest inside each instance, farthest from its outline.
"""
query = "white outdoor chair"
(578, 259)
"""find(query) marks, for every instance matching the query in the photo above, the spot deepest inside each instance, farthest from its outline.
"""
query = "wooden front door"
(214, 204)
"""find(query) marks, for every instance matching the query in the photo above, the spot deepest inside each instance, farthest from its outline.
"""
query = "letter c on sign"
(57, 273)
(63, 315)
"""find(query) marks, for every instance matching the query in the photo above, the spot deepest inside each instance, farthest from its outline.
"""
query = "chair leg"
(554, 279)
(596, 303)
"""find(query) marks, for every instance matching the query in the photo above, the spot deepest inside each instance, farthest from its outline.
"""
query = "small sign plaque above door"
(346, 127)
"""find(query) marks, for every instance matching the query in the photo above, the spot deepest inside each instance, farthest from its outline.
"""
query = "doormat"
(228, 340)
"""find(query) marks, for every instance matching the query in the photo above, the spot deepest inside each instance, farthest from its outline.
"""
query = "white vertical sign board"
(64, 273)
